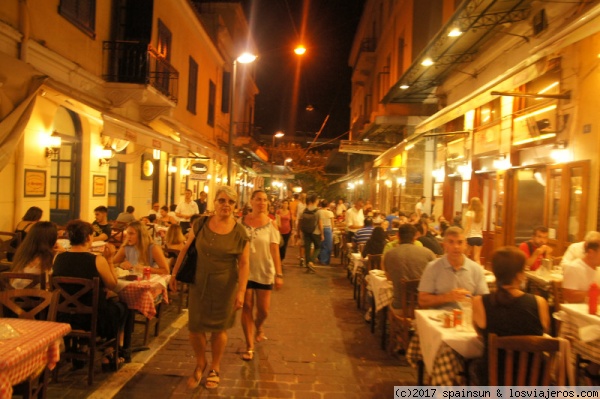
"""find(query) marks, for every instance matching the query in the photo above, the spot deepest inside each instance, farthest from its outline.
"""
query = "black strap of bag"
(187, 270)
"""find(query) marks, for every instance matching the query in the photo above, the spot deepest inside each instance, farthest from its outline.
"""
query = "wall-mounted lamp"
(560, 153)
(156, 154)
(172, 169)
(185, 172)
(53, 146)
(105, 156)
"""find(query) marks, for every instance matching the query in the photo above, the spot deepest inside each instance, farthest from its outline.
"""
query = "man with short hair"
(102, 229)
(363, 235)
(581, 272)
(202, 202)
(391, 217)
(155, 209)
(537, 248)
(405, 261)
(577, 249)
(447, 280)
(355, 218)
(127, 216)
(420, 206)
(185, 210)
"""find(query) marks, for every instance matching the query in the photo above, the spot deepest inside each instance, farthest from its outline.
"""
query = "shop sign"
(198, 168)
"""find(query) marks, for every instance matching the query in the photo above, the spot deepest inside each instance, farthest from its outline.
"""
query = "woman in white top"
(265, 270)
(474, 228)
(326, 227)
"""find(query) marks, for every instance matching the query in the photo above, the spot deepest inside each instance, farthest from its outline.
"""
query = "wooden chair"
(73, 293)
(35, 280)
(117, 235)
(528, 360)
(182, 289)
(45, 309)
(29, 303)
(401, 320)
(557, 300)
(6, 250)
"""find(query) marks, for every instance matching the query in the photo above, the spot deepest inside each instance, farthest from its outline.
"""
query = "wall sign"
(35, 183)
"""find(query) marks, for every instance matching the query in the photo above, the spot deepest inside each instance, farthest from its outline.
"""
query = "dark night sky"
(325, 74)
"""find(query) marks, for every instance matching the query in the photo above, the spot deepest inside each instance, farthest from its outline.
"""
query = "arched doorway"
(65, 171)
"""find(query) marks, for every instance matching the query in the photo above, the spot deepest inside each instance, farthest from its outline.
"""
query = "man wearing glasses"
(185, 210)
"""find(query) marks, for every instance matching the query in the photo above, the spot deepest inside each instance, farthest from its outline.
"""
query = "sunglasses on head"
(222, 201)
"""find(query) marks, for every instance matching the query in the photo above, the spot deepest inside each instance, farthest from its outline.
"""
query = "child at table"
(508, 311)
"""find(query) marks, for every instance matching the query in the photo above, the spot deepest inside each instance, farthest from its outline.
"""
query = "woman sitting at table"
(508, 311)
(376, 243)
(164, 219)
(36, 253)
(31, 217)
(80, 262)
(139, 249)
(174, 238)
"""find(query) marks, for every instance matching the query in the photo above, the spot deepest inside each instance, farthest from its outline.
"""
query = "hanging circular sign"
(148, 168)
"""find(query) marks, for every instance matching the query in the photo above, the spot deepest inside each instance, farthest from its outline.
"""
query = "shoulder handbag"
(187, 271)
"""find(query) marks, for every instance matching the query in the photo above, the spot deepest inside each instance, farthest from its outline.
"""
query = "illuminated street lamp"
(300, 50)
(245, 58)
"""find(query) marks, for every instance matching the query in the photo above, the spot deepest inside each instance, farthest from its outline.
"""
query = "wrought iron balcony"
(137, 62)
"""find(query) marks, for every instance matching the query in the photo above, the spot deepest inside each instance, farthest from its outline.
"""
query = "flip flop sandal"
(260, 337)
(212, 381)
(194, 380)
(248, 355)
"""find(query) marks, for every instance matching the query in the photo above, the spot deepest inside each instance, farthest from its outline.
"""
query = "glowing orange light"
(300, 50)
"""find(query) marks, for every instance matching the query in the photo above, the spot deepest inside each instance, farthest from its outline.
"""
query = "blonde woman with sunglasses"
(220, 284)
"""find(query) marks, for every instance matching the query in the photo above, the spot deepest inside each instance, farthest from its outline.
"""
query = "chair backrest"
(74, 296)
(528, 360)
(29, 303)
(35, 280)
(6, 239)
(375, 261)
(117, 234)
(409, 297)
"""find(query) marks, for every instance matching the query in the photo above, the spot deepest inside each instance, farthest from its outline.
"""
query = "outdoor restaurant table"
(356, 263)
(25, 347)
(544, 280)
(442, 350)
(581, 329)
(382, 292)
(141, 296)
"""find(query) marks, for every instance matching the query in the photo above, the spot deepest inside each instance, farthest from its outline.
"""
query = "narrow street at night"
(319, 346)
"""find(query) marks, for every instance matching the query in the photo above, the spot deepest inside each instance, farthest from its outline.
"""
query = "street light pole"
(275, 136)
(245, 58)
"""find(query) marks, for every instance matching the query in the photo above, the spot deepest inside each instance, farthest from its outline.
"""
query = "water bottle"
(466, 305)
(593, 298)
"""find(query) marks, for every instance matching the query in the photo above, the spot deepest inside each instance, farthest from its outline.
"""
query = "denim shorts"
(475, 241)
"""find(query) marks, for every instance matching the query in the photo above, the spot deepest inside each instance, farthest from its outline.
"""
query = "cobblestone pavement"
(319, 346)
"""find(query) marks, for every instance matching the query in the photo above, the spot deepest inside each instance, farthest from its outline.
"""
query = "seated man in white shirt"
(577, 249)
(580, 273)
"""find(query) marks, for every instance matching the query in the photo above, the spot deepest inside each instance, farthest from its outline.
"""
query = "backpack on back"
(308, 221)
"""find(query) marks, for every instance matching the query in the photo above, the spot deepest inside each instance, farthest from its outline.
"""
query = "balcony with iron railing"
(139, 63)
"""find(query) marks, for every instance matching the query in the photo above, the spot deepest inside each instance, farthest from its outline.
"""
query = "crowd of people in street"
(241, 249)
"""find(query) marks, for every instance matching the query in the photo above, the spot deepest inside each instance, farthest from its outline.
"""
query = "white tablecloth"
(381, 287)
(432, 335)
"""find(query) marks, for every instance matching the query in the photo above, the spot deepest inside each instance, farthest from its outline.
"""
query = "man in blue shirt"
(363, 235)
(447, 280)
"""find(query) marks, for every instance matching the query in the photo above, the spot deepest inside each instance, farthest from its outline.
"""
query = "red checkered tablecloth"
(37, 344)
(142, 295)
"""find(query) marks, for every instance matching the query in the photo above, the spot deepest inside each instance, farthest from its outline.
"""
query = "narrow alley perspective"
(319, 346)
